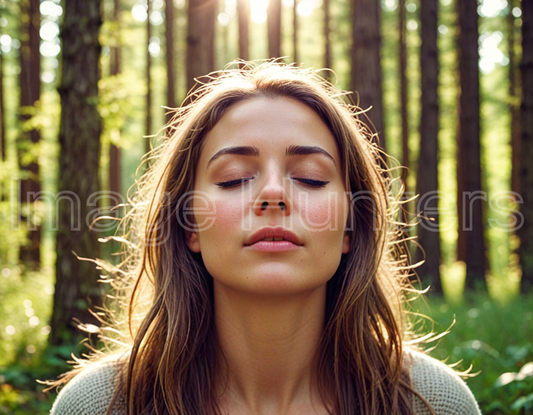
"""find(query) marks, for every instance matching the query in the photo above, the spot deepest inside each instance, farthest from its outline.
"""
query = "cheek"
(224, 217)
(324, 213)
(229, 213)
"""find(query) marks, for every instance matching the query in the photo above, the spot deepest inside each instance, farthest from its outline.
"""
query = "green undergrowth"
(493, 341)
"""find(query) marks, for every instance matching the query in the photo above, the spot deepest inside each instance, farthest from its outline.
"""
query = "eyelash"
(233, 183)
(314, 183)
(309, 182)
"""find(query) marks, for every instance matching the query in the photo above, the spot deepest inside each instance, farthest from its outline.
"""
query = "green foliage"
(25, 304)
(512, 391)
(23, 402)
(495, 338)
(9, 215)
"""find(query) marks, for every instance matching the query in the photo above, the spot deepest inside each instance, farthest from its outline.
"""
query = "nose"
(273, 197)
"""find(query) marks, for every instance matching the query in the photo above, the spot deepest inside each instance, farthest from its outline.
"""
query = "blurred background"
(449, 88)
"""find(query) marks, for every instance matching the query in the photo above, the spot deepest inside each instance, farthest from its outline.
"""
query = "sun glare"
(258, 8)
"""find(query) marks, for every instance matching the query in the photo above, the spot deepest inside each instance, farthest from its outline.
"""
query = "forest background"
(83, 86)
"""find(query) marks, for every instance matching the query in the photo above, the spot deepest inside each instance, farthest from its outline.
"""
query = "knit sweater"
(91, 391)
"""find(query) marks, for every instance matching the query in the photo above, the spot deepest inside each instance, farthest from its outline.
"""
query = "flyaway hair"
(168, 343)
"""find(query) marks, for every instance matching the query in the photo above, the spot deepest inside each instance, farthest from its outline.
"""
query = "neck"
(269, 347)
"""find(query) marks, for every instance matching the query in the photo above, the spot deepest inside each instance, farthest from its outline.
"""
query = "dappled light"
(92, 96)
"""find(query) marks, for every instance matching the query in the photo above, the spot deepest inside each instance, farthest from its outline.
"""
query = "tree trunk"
(169, 35)
(468, 146)
(514, 106)
(526, 171)
(148, 103)
(243, 10)
(403, 90)
(461, 236)
(200, 39)
(327, 37)
(274, 28)
(76, 286)
(427, 176)
(295, 30)
(2, 114)
(366, 62)
(30, 91)
(114, 151)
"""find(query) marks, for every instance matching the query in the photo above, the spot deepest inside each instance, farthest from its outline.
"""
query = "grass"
(494, 337)
(491, 337)
(25, 304)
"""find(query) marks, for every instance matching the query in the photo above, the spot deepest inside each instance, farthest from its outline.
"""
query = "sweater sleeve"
(441, 387)
(90, 392)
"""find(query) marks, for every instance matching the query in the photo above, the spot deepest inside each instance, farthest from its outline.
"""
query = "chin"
(276, 283)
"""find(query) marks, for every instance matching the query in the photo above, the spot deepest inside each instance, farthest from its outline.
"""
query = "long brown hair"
(172, 362)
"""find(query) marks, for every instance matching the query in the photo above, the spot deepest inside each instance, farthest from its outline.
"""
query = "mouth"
(273, 237)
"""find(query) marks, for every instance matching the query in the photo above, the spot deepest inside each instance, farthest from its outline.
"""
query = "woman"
(267, 279)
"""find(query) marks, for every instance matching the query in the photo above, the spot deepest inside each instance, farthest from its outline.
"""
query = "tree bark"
(114, 151)
(526, 171)
(427, 175)
(148, 102)
(200, 39)
(366, 61)
(2, 114)
(30, 91)
(76, 286)
(327, 37)
(403, 91)
(274, 28)
(514, 106)
(169, 35)
(295, 30)
(468, 146)
(243, 11)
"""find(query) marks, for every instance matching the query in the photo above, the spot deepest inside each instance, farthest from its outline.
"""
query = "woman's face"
(270, 204)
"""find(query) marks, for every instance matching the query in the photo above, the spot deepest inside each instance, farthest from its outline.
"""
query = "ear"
(346, 243)
(192, 241)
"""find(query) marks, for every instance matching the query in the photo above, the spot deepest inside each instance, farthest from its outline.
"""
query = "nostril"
(264, 205)
(282, 205)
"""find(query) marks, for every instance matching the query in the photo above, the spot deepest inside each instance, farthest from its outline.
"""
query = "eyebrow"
(254, 151)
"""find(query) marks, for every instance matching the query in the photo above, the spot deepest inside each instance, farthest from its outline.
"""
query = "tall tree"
(148, 101)
(2, 114)
(402, 46)
(169, 36)
(470, 196)
(79, 139)
(114, 151)
(514, 95)
(30, 87)
(366, 60)
(274, 28)
(200, 39)
(427, 177)
(243, 11)
(295, 30)
(526, 125)
(327, 36)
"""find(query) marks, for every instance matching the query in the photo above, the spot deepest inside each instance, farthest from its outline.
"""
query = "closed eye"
(233, 183)
(310, 182)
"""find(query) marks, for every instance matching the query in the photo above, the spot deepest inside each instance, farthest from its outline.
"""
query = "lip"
(290, 240)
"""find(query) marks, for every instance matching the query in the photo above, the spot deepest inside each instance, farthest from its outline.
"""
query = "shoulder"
(90, 392)
(440, 386)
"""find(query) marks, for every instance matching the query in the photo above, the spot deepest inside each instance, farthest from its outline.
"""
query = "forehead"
(271, 125)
